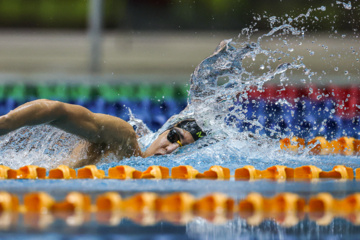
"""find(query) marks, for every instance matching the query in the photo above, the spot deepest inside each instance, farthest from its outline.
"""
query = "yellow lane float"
(176, 208)
(294, 144)
(73, 202)
(124, 172)
(140, 202)
(247, 172)
(156, 172)
(8, 202)
(91, 171)
(39, 209)
(321, 208)
(4, 172)
(320, 146)
(216, 202)
(307, 172)
(344, 146)
(40, 202)
(278, 172)
(176, 202)
(62, 172)
(27, 172)
(110, 201)
(184, 172)
(338, 172)
(215, 172)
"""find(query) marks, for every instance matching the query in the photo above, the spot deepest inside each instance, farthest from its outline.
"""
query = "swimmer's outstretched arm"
(75, 119)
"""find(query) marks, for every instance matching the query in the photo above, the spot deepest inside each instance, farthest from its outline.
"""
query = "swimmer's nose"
(171, 147)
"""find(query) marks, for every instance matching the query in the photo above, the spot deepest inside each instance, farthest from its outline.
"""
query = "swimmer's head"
(177, 135)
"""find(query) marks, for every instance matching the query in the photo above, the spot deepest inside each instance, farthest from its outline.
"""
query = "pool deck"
(47, 56)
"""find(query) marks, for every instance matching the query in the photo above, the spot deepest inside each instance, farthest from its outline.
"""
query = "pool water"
(243, 127)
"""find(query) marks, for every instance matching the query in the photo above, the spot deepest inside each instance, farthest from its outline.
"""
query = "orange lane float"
(307, 172)
(110, 201)
(40, 209)
(321, 208)
(216, 202)
(4, 172)
(184, 172)
(320, 146)
(108, 206)
(357, 173)
(155, 172)
(247, 172)
(73, 202)
(176, 202)
(254, 202)
(349, 204)
(62, 172)
(338, 172)
(216, 207)
(91, 171)
(140, 202)
(27, 172)
(252, 208)
(283, 202)
(39, 202)
(176, 208)
(343, 146)
(124, 172)
(286, 208)
(8, 202)
(294, 144)
(278, 172)
(215, 172)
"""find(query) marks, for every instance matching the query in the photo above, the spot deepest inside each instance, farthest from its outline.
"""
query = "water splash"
(346, 5)
(41, 145)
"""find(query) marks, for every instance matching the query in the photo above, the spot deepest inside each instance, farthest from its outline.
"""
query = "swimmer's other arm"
(95, 127)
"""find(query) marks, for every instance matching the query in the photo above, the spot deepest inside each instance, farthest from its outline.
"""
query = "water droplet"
(346, 72)
(262, 67)
(343, 36)
(290, 49)
(336, 69)
(346, 5)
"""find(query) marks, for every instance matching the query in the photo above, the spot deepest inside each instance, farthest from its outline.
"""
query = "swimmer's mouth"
(158, 154)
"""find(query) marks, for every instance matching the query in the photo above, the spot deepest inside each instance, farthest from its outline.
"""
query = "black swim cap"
(191, 126)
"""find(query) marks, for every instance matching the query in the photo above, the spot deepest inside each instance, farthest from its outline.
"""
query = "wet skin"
(162, 145)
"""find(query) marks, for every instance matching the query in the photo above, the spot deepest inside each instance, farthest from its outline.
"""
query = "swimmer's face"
(162, 145)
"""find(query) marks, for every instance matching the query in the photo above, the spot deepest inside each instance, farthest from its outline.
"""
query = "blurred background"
(105, 54)
(132, 40)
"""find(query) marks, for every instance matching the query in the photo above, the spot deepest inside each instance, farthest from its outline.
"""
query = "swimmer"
(105, 134)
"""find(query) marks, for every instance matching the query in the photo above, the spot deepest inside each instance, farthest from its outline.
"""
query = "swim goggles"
(174, 136)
